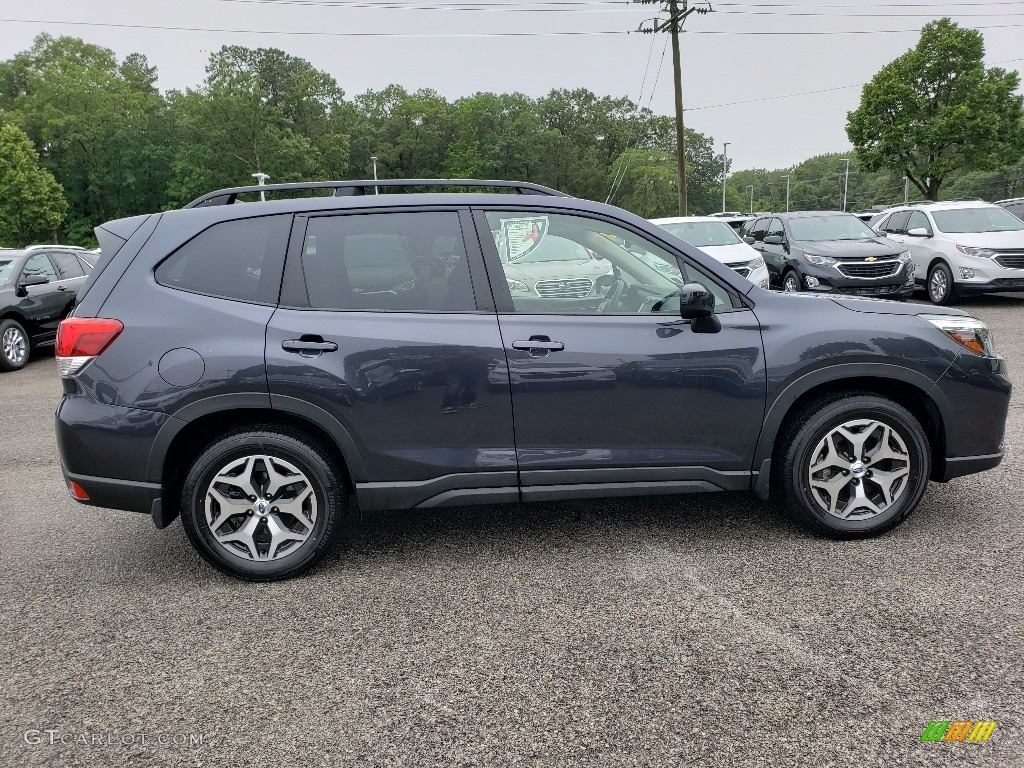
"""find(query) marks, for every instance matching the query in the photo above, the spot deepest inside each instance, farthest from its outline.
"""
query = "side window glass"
(775, 228)
(563, 264)
(68, 265)
(238, 259)
(39, 264)
(917, 221)
(897, 223)
(757, 230)
(399, 262)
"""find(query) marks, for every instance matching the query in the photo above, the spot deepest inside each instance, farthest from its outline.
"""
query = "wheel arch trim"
(783, 403)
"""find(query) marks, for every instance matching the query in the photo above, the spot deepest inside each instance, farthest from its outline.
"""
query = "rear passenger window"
(68, 265)
(238, 259)
(897, 223)
(402, 262)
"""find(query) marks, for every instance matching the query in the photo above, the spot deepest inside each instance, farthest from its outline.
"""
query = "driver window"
(562, 264)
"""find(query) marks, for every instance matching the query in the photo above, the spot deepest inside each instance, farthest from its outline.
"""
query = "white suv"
(959, 247)
(714, 236)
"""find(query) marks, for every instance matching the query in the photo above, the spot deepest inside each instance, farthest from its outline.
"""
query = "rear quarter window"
(239, 259)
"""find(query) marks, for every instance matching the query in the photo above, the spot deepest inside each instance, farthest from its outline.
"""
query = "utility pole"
(374, 159)
(725, 169)
(674, 22)
(751, 188)
(846, 180)
(786, 177)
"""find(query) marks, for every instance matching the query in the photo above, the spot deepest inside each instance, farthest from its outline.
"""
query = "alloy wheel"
(859, 469)
(15, 346)
(937, 285)
(791, 283)
(260, 508)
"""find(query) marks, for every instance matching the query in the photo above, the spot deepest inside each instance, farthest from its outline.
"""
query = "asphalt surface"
(701, 630)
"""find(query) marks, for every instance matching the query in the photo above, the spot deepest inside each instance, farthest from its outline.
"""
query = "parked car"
(38, 286)
(1014, 205)
(229, 364)
(831, 252)
(556, 267)
(959, 247)
(719, 240)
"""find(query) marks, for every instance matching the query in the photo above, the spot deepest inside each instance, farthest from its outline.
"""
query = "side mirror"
(749, 240)
(773, 240)
(35, 280)
(697, 304)
(919, 232)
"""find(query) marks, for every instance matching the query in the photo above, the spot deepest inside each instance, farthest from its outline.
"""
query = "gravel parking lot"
(701, 630)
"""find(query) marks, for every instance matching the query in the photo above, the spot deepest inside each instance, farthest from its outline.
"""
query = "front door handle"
(309, 346)
(62, 287)
(539, 345)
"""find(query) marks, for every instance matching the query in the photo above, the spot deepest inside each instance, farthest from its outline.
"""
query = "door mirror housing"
(695, 302)
(773, 240)
(749, 240)
(34, 280)
(919, 232)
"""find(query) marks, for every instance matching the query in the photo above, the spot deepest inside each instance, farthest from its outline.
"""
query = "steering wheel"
(614, 294)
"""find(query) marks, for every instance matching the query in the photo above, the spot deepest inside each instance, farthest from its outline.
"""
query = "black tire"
(940, 286)
(801, 442)
(791, 276)
(318, 472)
(13, 340)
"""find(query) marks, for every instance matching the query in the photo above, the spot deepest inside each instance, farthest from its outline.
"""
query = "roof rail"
(41, 246)
(355, 188)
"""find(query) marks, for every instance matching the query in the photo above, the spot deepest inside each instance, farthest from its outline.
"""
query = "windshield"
(703, 233)
(840, 226)
(554, 248)
(6, 268)
(981, 219)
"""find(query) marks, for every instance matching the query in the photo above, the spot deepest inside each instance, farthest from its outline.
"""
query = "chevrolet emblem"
(871, 258)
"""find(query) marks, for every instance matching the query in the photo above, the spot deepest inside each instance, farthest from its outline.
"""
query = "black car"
(831, 252)
(261, 369)
(38, 286)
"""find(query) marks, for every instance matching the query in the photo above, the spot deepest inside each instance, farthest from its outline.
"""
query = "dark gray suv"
(831, 252)
(261, 369)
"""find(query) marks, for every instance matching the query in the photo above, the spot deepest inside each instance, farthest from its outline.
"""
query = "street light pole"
(725, 169)
(906, 190)
(846, 180)
(261, 179)
(751, 188)
(786, 177)
(374, 159)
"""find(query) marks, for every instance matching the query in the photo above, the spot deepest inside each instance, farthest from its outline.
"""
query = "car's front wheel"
(853, 465)
(263, 504)
(791, 282)
(941, 289)
(14, 346)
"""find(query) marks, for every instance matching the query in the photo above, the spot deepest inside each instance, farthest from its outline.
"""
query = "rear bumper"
(129, 495)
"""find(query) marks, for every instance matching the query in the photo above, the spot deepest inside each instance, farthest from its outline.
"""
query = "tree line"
(87, 138)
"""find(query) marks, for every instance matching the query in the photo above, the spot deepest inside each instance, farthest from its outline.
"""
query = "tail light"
(80, 339)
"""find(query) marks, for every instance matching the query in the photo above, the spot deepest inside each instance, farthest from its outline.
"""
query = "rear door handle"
(309, 346)
(62, 287)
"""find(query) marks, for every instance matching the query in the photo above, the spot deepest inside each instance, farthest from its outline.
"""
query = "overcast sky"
(751, 52)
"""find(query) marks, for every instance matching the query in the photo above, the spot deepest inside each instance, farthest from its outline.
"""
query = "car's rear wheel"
(853, 465)
(14, 346)
(791, 282)
(941, 289)
(263, 504)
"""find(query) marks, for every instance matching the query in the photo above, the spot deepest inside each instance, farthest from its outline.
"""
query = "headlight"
(755, 263)
(904, 257)
(968, 332)
(517, 286)
(982, 253)
(821, 261)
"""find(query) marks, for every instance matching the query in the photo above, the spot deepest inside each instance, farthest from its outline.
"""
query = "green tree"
(937, 110)
(32, 205)
(98, 125)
